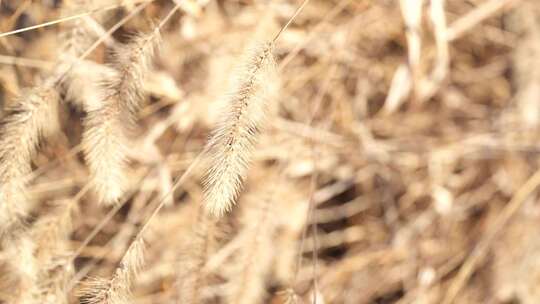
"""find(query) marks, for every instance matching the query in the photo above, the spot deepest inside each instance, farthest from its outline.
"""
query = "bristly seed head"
(34, 116)
(107, 126)
(232, 142)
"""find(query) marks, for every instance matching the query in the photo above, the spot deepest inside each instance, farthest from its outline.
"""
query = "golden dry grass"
(397, 164)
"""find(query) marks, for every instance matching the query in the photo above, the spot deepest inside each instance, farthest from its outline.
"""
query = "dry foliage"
(195, 151)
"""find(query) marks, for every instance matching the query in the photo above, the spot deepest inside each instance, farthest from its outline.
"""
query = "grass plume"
(233, 140)
(34, 116)
(107, 127)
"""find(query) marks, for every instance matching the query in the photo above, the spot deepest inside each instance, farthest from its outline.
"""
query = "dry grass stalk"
(433, 81)
(412, 16)
(34, 116)
(405, 81)
(233, 140)
(481, 249)
(72, 17)
(525, 21)
(477, 15)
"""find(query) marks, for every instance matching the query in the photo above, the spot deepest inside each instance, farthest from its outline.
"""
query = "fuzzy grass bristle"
(234, 138)
(133, 61)
(105, 149)
(107, 126)
(34, 115)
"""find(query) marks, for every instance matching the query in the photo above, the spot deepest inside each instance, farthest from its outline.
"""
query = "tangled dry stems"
(420, 114)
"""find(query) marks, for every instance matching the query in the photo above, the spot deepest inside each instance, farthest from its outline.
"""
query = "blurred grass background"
(412, 126)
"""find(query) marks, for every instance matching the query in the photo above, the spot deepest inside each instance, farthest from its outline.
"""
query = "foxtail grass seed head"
(107, 127)
(105, 149)
(34, 115)
(233, 140)
(133, 61)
